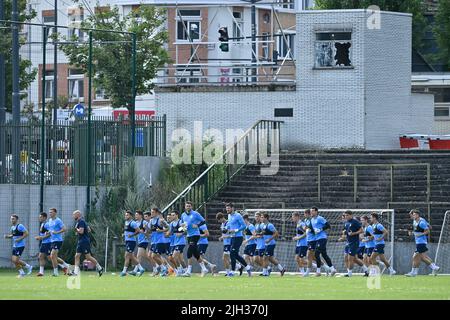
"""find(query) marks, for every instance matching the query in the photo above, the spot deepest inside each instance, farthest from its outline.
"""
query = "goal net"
(285, 247)
(442, 256)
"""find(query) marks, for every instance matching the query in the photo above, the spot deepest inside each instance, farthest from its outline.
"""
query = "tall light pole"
(15, 93)
(55, 68)
(2, 101)
(253, 14)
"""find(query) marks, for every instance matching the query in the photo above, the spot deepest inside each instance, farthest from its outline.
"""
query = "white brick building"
(353, 87)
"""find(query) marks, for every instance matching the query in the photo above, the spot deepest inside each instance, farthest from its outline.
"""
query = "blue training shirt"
(236, 222)
(17, 231)
(224, 229)
(43, 229)
(203, 240)
(130, 229)
(352, 225)
(317, 224)
(269, 230)
(419, 228)
(378, 229)
(260, 242)
(55, 225)
(310, 236)
(192, 218)
(249, 233)
(142, 237)
(179, 238)
(156, 236)
(300, 230)
(368, 231)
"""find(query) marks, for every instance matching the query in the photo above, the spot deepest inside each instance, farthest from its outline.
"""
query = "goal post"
(285, 248)
(442, 255)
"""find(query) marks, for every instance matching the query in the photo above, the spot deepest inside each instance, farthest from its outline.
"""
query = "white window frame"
(189, 20)
(185, 73)
(75, 20)
(237, 27)
(79, 78)
(281, 44)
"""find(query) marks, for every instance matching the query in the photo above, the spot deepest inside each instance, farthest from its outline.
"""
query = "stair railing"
(260, 144)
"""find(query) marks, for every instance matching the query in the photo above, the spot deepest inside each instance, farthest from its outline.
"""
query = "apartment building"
(196, 54)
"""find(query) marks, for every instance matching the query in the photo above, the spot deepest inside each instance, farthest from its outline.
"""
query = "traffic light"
(223, 31)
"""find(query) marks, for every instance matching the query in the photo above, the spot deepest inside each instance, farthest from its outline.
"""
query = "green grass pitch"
(111, 286)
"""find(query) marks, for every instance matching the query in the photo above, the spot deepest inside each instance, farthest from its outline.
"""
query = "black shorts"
(312, 245)
(260, 252)
(192, 241)
(179, 248)
(158, 248)
(17, 251)
(166, 248)
(45, 248)
(130, 246)
(353, 248)
(227, 248)
(202, 248)
(270, 250)
(368, 251)
(360, 252)
(143, 245)
(379, 248)
(56, 245)
(84, 247)
(250, 250)
(421, 248)
(301, 251)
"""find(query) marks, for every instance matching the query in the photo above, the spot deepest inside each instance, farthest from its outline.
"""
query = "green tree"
(416, 7)
(442, 31)
(26, 77)
(112, 52)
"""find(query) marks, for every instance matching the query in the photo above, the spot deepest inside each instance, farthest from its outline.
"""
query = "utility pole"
(15, 93)
(55, 68)
(253, 41)
(2, 102)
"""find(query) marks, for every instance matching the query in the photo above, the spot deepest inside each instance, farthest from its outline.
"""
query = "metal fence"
(66, 149)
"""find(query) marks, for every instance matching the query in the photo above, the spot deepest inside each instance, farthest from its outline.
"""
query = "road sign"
(78, 110)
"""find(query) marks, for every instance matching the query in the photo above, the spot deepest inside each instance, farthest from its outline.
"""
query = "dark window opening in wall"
(193, 27)
(284, 112)
(441, 95)
(190, 13)
(441, 112)
(333, 50)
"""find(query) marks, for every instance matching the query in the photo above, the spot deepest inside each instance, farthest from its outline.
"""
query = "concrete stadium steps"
(296, 184)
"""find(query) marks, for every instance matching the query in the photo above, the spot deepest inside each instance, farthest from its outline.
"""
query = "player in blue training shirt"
(369, 242)
(318, 225)
(56, 228)
(270, 234)
(379, 233)
(421, 230)
(311, 241)
(226, 238)
(84, 243)
(301, 247)
(158, 227)
(250, 243)
(142, 242)
(178, 242)
(202, 247)
(236, 226)
(45, 244)
(191, 221)
(131, 230)
(352, 229)
(18, 235)
(147, 218)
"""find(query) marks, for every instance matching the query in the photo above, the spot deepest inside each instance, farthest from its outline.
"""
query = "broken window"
(333, 50)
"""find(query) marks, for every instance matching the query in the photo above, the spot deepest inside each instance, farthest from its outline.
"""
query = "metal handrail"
(219, 161)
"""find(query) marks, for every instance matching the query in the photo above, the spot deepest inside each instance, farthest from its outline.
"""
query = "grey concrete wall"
(23, 200)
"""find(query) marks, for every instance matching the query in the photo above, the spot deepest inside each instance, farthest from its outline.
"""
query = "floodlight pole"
(55, 68)
(133, 96)
(15, 93)
(253, 41)
(42, 156)
(89, 156)
(2, 102)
